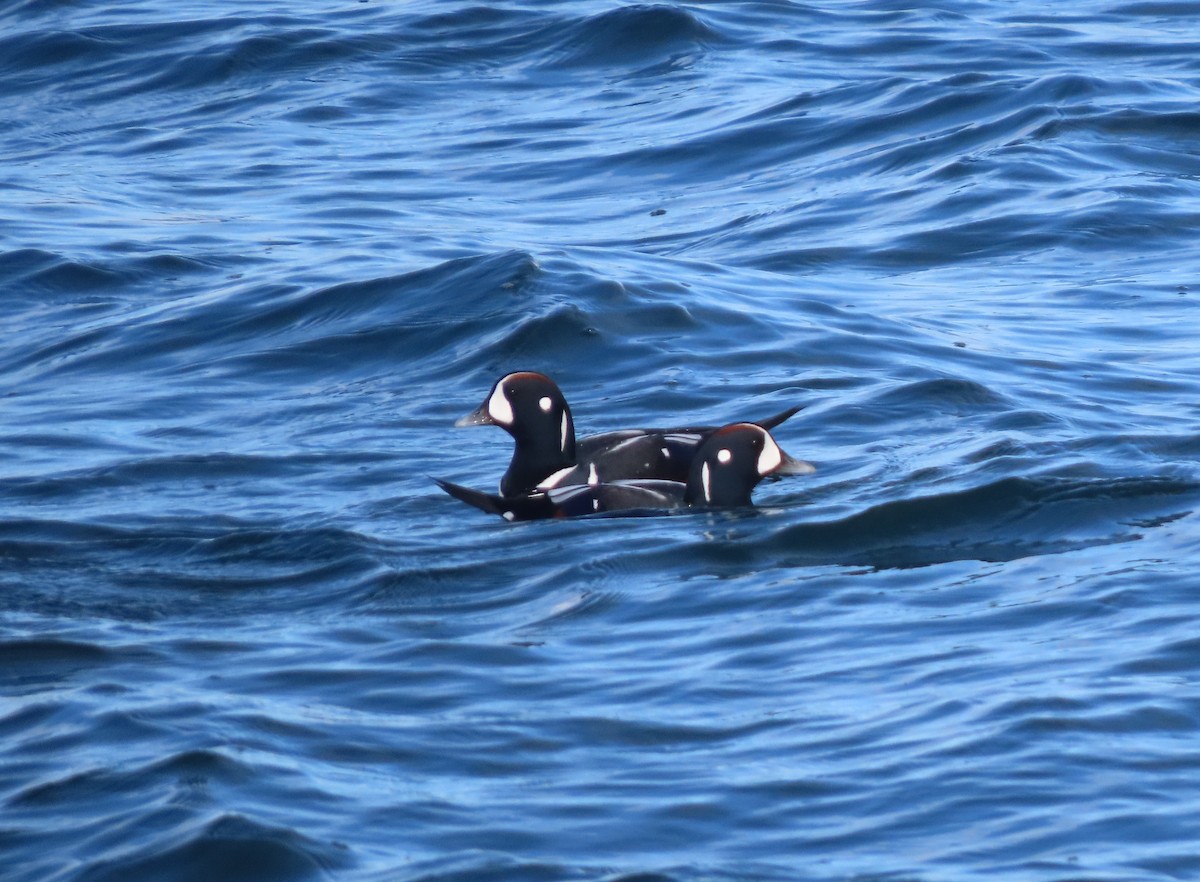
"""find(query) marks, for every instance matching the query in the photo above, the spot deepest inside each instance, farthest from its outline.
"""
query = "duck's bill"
(792, 466)
(478, 417)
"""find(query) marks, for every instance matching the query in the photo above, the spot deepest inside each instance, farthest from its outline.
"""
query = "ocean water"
(255, 258)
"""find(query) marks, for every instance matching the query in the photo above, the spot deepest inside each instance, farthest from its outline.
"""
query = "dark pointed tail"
(482, 501)
(772, 421)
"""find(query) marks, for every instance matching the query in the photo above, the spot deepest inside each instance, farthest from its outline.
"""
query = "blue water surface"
(255, 259)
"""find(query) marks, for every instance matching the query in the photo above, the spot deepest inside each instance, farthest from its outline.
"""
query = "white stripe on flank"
(555, 479)
(560, 495)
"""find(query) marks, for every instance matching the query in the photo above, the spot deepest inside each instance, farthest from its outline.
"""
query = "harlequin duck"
(724, 471)
(532, 409)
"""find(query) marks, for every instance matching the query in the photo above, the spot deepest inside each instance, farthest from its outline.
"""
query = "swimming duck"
(724, 471)
(532, 409)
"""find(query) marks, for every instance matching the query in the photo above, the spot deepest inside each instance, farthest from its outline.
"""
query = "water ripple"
(256, 263)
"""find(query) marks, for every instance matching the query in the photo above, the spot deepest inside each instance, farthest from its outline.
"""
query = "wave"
(262, 327)
(153, 565)
(1011, 518)
(1004, 520)
(111, 58)
(230, 845)
(634, 36)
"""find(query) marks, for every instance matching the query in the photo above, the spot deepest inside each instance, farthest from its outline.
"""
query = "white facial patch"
(706, 482)
(723, 455)
(666, 453)
(545, 403)
(593, 475)
(509, 516)
(562, 444)
(499, 407)
(771, 457)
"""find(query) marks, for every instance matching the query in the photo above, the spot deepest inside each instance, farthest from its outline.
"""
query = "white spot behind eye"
(509, 516)
(545, 403)
(723, 455)
(771, 458)
(499, 407)
(593, 475)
